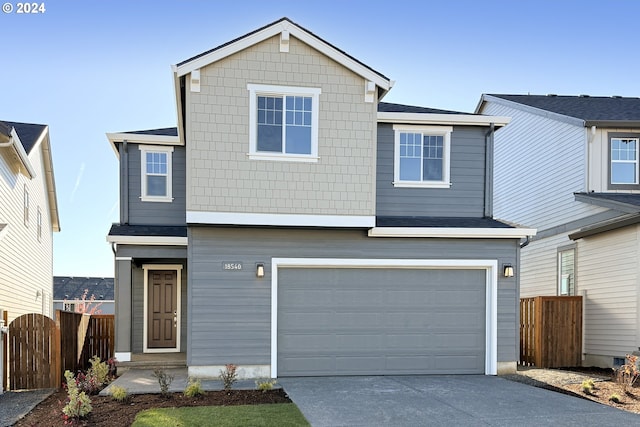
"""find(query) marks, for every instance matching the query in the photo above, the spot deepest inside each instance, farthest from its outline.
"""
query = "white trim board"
(145, 334)
(489, 265)
(285, 220)
(453, 232)
(442, 119)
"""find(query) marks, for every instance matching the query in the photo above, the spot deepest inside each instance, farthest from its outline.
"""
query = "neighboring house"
(568, 165)
(292, 224)
(70, 292)
(28, 218)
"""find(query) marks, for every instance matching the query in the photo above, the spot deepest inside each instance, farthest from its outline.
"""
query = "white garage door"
(365, 321)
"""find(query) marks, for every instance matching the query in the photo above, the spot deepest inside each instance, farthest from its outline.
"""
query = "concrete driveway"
(442, 400)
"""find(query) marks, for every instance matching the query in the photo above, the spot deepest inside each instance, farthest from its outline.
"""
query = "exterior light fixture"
(260, 270)
(507, 270)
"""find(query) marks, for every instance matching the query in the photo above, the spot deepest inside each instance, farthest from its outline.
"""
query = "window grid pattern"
(624, 160)
(157, 173)
(292, 138)
(421, 157)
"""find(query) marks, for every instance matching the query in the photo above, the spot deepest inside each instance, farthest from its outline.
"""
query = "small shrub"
(78, 403)
(264, 385)
(194, 388)
(229, 376)
(587, 386)
(615, 398)
(119, 394)
(628, 374)
(113, 367)
(164, 380)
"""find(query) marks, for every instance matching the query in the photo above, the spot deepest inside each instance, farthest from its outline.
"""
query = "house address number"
(232, 266)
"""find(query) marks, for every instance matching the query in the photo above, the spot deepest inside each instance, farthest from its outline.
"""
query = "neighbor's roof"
(72, 288)
(411, 114)
(29, 133)
(623, 202)
(592, 110)
(387, 107)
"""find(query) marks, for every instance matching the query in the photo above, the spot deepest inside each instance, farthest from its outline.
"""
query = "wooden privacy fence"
(40, 350)
(551, 331)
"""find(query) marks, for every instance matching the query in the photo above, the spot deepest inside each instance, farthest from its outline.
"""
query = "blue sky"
(87, 68)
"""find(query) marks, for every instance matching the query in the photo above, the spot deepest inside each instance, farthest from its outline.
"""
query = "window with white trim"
(422, 156)
(566, 272)
(156, 183)
(283, 122)
(26, 206)
(39, 224)
(624, 161)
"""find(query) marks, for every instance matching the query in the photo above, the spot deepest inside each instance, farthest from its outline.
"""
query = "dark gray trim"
(124, 182)
(575, 225)
(613, 123)
(123, 309)
(611, 186)
(608, 203)
(605, 226)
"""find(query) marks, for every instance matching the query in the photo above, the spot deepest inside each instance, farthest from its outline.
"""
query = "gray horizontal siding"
(230, 311)
(157, 213)
(465, 197)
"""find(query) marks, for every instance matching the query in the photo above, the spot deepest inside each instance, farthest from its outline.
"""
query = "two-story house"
(568, 165)
(293, 224)
(28, 218)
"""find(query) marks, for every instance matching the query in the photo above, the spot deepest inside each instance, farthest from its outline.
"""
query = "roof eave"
(613, 123)
(453, 232)
(605, 226)
(51, 183)
(448, 119)
(606, 203)
(528, 108)
(135, 138)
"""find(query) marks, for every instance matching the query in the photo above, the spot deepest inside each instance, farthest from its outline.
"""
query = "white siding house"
(28, 217)
(553, 171)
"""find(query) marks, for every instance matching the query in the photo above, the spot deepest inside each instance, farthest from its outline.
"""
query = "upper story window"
(39, 224)
(283, 123)
(26, 206)
(156, 173)
(566, 272)
(624, 161)
(422, 156)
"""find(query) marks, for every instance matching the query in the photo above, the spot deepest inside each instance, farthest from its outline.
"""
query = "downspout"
(488, 172)
(124, 186)
(590, 137)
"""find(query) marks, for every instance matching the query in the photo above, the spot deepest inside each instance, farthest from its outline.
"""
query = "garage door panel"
(380, 321)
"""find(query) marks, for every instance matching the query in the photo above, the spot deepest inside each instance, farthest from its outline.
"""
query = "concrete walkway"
(442, 400)
(142, 381)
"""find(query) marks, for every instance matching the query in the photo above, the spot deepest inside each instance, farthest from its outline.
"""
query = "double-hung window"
(156, 173)
(283, 122)
(566, 271)
(624, 161)
(422, 156)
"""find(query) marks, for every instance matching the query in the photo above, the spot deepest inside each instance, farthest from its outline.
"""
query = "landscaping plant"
(265, 384)
(194, 388)
(627, 374)
(119, 394)
(164, 379)
(78, 403)
(96, 377)
(615, 398)
(229, 376)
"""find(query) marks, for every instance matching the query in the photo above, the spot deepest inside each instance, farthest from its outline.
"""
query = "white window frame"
(256, 90)
(636, 162)
(571, 278)
(445, 132)
(144, 149)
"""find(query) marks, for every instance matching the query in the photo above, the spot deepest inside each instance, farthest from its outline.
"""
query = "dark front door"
(162, 309)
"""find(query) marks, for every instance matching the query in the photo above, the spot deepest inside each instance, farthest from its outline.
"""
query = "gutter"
(14, 141)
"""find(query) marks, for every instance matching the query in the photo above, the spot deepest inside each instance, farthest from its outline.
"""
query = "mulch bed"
(107, 412)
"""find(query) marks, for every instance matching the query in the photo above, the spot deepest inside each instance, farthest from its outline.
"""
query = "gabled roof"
(165, 136)
(605, 111)
(623, 202)
(278, 27)
(23, 138)
(72, 288)
(164, 235)
(410, 114)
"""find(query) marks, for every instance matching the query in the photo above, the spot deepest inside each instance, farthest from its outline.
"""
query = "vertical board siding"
(539, 164)
(221, 176)
(465, 198)
(607, 270)
(551, 331)
(230, 311)
(26, 264)
(157, 213)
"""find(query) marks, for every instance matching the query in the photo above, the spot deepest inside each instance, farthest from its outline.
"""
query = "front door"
(162, 309)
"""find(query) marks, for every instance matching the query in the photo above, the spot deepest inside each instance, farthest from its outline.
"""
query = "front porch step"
(155, 361)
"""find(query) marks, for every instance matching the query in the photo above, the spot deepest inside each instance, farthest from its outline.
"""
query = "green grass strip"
(273, 415)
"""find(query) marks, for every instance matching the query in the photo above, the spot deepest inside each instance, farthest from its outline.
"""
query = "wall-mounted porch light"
(260, 270)
(507, 270)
